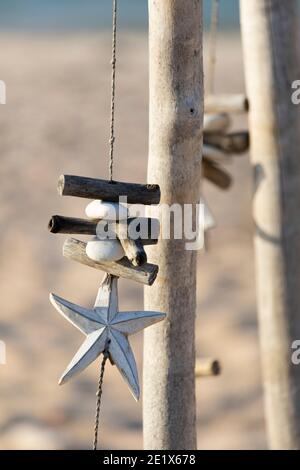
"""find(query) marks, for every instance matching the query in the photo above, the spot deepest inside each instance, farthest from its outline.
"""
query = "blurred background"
(55, 60)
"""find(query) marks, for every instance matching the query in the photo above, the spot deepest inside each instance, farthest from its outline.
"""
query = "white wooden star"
(106, 329)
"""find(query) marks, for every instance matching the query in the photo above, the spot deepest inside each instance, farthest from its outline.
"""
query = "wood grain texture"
(176, 120)
(91, 188)
(75, 250)
(271, 49)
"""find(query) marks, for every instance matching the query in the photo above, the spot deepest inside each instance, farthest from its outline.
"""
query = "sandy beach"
(56, 120)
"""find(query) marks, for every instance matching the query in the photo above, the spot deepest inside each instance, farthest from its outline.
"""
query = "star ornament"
(106, 329)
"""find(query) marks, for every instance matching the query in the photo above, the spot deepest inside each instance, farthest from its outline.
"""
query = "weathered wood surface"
(207, 368)
(91, 188)
(61, 224)
(235, 142)
(176, 121)
(75, 250)
(271, 49)
(74, 226)
(232, 104)
(216, 175)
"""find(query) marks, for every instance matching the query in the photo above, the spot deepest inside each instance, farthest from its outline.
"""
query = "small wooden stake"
(74, 226)
(232, 104)
(134, 249)
(91, 188)
(207, 368)
(75, 250)
(215, 175)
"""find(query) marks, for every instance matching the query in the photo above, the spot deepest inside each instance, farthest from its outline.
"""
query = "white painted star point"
(106, 329)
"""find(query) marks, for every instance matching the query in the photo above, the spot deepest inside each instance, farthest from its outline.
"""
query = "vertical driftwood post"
(176, 115)
(272, 63)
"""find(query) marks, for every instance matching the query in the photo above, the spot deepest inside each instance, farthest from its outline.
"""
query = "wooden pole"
(271, 51)
(176, 118)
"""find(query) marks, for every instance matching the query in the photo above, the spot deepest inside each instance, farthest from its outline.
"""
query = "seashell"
(104, 250)
(106, 210)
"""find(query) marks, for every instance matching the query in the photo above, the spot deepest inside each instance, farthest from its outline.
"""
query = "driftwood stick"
(232, 104)
(75, 250)
(91, 188)
(215, 175)
(61, 224)
(236, 142)
(216, 123)
(207, 368)
(70, 225)
(134, 249)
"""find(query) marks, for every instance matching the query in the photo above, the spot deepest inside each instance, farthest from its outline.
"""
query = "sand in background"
(56, 121)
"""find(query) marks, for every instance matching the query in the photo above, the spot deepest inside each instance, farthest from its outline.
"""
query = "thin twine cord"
(113, 90)
(111, 164)
(99, 397)
(213, 45)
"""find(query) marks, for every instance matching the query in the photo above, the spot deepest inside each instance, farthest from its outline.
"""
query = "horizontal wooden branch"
(207, 368)
(91, 188)
(235, 142)
(232, 104)
(61, 224)
(75, 250)
(213, 123)
(215, 175)
(74, 226)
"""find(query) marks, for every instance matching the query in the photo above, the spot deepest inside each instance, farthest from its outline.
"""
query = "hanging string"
(111, 164)
(99, 397)
(113, 90)
(213, 45)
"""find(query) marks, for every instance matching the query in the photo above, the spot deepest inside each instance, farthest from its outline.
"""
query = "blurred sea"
(61, 15)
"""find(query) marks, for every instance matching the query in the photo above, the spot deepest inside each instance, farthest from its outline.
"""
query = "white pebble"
(106, 210)
(104, 250)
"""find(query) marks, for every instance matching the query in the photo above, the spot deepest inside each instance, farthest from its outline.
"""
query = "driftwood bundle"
(121, 254)
(219, 144)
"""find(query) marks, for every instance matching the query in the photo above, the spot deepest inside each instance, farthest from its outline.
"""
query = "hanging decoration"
(106, 329)
(219, 144)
